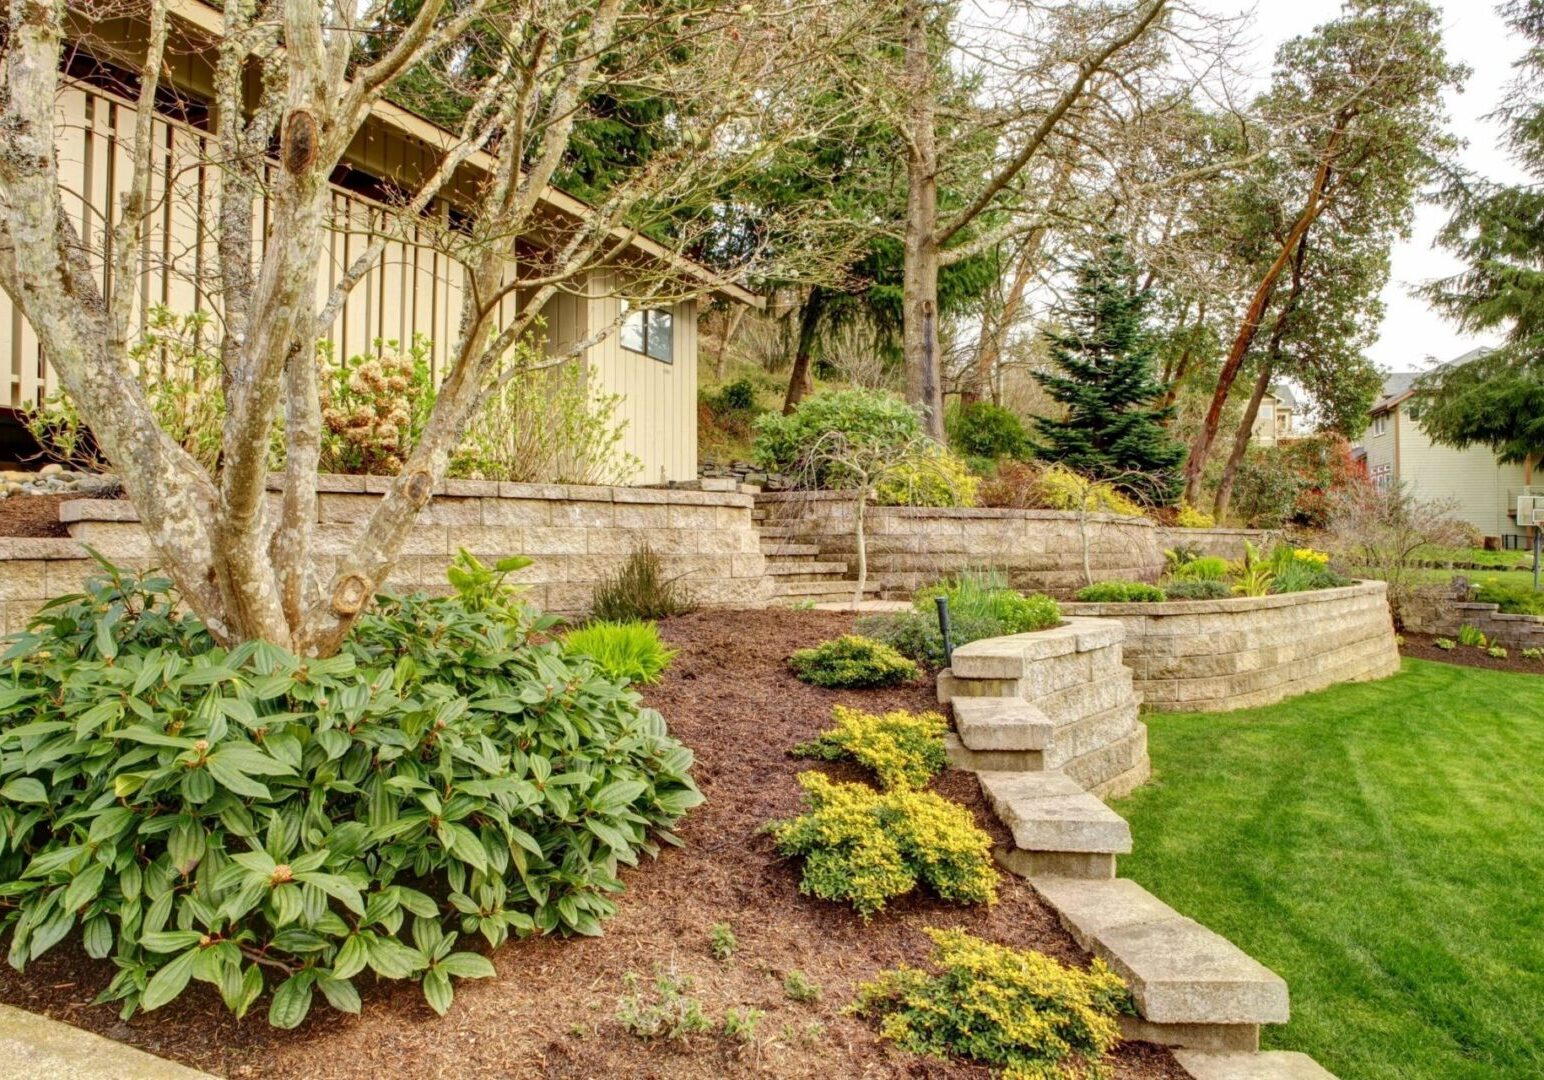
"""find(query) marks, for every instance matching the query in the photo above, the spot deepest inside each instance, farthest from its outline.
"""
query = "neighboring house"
(1274, 422)
(1398, 452)
(414, 289)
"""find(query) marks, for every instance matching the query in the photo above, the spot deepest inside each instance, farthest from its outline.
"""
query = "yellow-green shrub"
(935, 479)
(865, 847)
(1059, 488)
(1016, 1009)
(904, 749)
(852, 662)
(1191, 518)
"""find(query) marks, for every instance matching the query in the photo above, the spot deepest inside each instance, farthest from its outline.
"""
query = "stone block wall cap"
(41, 547)
(97, 510)
(1226, 604)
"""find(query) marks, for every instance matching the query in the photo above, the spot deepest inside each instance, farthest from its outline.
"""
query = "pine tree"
(1104, 360)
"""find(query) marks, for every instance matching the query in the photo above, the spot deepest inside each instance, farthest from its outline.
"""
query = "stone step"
(962, 757)
(1048, 811)
(781, 567)
(1267, 1065)
(773, 549)
(986, 723)
(818, 591)
(774, 530)
(1180, 973)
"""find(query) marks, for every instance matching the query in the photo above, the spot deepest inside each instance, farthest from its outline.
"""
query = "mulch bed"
(34, 515)
(551, 1010)
(1420, 646)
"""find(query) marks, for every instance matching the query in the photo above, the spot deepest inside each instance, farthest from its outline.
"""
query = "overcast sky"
(1412, 334)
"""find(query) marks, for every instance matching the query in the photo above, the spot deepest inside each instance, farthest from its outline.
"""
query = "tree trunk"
(1313, 206)
(799, 381)
(736, 317)
(862, 545)
(919, 322)
(1241, 443)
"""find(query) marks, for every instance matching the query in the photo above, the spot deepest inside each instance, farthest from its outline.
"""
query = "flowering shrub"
(1015, 1009)
(259, 820)
(903, 749)
(374, 406)
(865, 847)
(852, 662)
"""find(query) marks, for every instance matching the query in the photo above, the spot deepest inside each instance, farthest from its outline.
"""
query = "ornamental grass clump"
(865, 847)
(640, 590)
(904, 749)
(262, 821)
(1014, 1009)
(629, 652)
(852, 662)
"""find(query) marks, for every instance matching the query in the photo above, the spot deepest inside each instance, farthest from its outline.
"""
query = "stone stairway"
(1049, 722)
(799, 575)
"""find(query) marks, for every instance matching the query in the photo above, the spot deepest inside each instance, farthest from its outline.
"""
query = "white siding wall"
(1483, 488)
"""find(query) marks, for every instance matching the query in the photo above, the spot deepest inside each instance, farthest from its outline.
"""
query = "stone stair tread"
(1266, 1065)
(988, 723)
(801, 567)
(774, 550)
(1049, 811)
(1179, 971)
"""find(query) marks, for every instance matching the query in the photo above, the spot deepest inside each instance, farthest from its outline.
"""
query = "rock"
(53, 468)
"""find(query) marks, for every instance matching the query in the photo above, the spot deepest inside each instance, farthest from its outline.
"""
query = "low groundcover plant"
(259, 820)
(852, 662)
(629, 652)
(904, 749)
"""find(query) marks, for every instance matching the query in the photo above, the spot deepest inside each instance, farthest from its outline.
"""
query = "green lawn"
(1379, 845)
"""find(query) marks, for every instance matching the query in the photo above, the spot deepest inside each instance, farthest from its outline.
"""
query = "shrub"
(547, 426)
(1513, 599)
(984, 430)
(1446, 644)
(865, 847)
(669, 1013)
(629, 652)
(870, 419)
(1471, 636)
(1198, 590)
(986, 594)
(1188, 517)
(933, 477)
(1298, 483)
(1012, 485)
(1497, 652)
(1059, 488)
(1301, 570)
(374, 405)
(916, 635)
(798, 986)
(1254, 579)
(1533, 654)
(1121, 592)
(1015, 1009)
(737, 396)
(190, 807)
(721, 941)
(1202, 568)
(639, 590)
(852, 662)
(1379, 532)
(1180, 555)
(903, 749)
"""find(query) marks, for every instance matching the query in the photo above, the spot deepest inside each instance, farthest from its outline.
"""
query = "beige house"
(1398, 452)
(414, 288)
(1275, 421)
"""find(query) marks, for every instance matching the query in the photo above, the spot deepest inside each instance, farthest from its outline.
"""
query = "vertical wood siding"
(414, 289)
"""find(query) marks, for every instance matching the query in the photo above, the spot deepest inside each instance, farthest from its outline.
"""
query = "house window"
(1380, 424)
(651, 332)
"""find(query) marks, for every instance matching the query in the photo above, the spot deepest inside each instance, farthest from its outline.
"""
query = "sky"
(1412, 336)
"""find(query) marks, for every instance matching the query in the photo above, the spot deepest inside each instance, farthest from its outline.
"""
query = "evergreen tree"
(1104, 357)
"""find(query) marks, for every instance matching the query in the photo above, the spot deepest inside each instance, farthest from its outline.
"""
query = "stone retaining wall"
(1225, 543)
(1244, 651)
(1438, 613)
(912, 546)
(575, 535)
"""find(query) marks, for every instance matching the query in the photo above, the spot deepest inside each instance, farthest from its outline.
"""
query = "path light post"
(943, 628)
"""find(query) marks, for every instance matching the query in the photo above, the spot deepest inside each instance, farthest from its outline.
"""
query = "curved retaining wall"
(1216, 655)
(912, 546)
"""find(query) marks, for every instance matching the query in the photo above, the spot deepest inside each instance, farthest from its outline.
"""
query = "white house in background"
(1276, 419)
(1399, 452)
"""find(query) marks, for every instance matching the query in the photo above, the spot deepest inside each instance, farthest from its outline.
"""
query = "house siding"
(1484, 490)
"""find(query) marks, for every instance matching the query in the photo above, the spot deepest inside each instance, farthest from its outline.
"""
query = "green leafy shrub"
(1446, 644)
(984, 430)
(1301, 570)
(1533, 654)
(904, 749)
(190, 808)
(1471, 636)
(986, 594)
(1121, 592)
(916, 635)
(871, 419)
(721, 941)
(1201, 568)
(865, 847)
(640, 591)
(629, 652)
(799, 987)
(1014, 1009)
(852, 662)
(1497, 652)
(1514, 599)
(932, 477)
(1197, 590)
(737, 396)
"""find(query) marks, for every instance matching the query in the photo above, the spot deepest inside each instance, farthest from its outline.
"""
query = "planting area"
(1377, 846)
(552, 1010)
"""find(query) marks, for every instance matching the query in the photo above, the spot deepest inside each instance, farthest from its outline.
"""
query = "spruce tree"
(1103, 358)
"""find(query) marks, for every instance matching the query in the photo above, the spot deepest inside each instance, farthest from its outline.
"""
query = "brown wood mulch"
(34, 515)
(1420, 646)
(551, 1011)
